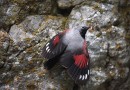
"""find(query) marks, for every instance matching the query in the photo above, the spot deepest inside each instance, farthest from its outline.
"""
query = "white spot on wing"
(83, 77)
(47, 44)
(88, 72)
(86, 76)
(48, 50)
(47, 47)
(80, 76)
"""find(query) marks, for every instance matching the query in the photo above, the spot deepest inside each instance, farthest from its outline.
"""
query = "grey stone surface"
(14, 11)
(68, 3)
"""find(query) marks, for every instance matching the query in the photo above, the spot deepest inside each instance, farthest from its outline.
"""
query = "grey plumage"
(70, 50)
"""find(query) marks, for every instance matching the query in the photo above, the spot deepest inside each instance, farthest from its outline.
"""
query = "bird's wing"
(54, 47)
(77, 64)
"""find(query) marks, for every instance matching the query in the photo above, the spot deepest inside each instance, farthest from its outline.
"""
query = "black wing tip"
(82, 82)
(79, 75)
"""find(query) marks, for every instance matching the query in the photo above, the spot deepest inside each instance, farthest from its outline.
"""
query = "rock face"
(71, 3)
(26, 40)
(68, 3)
(14, 11)
(21, 64)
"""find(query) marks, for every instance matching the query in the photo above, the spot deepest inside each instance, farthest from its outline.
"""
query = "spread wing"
(77, 64)
(54, 47)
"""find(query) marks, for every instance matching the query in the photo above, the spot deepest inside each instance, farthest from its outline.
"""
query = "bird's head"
(83, 30)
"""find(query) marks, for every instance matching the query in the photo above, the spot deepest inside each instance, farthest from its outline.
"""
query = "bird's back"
(73, 40)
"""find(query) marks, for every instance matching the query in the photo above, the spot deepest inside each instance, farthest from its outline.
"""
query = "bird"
(69, 49)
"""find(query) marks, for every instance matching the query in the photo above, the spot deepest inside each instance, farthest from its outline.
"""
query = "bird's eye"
(84, 27)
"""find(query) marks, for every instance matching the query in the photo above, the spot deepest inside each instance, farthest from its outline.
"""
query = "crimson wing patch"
(79, 70)
(77, 65)
(54, 47)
